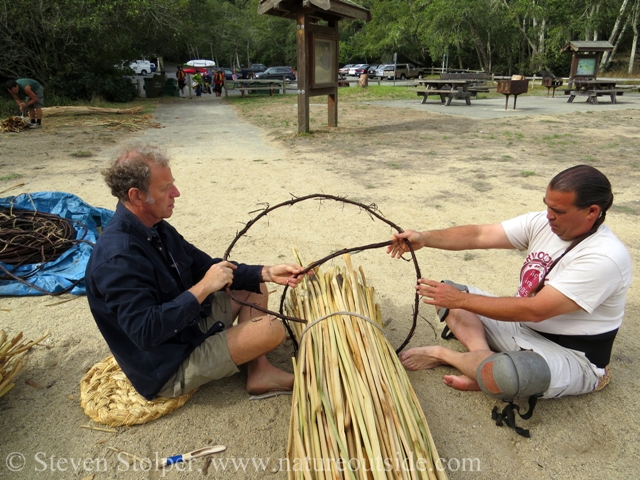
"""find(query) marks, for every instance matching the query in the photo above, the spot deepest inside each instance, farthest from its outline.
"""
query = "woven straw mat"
(107, 397)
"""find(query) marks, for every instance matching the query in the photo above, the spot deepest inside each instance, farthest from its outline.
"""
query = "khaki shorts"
(571, 372)
(40, 103)
(211, 359)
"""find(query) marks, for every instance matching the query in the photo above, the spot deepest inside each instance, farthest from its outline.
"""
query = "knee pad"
(508, 375)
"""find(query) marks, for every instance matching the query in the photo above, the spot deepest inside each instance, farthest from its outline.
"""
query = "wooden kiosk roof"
(582, 46)
(324, 9)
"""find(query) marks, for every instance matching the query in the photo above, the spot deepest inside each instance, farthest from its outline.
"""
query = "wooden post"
(332, 104)
(302, 42)
(313, 38)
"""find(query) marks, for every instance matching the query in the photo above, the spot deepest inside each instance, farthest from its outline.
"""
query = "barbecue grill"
(550, 83)
(512, 87)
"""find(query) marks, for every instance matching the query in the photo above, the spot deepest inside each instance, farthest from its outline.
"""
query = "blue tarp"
(70, 266)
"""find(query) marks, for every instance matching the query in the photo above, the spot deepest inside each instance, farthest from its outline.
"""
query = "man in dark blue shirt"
(160, 302)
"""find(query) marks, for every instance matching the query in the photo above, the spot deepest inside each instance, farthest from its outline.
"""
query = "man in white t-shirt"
(570, 301)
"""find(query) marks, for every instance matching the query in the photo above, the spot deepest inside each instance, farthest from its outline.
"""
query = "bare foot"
(421, 358)
(461, 382)
(265, 378)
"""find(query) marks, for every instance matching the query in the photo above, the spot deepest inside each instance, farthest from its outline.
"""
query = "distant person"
(246, 73)
(218, 81)
(208, 79)
(199, 83)
(33, 95)
(161, 303)
(181, 76)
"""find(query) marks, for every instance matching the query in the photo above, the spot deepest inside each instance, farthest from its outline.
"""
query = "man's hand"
(440, 294)
(22, 106)
(217, 277)
(399, 245)
(283, 274)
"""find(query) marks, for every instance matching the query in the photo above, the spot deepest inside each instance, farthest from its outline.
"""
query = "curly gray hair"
(131, 169)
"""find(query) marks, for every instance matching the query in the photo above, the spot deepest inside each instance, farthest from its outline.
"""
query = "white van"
(141, 67)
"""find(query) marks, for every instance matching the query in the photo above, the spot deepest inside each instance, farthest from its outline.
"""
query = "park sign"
(317, 48)
(586, 58)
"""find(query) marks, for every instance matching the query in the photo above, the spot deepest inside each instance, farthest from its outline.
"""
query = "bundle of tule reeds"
(11, 358)
(354, 413)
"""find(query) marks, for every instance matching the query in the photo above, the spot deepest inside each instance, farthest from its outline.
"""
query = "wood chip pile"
(13, 125)
(354, 413)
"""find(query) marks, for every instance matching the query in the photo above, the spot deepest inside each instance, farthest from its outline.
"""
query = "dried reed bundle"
(84, 110)
(107, 397)
(12, 358)
(354, 413)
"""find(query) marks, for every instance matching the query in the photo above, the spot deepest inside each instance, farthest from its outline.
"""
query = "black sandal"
(443, 313)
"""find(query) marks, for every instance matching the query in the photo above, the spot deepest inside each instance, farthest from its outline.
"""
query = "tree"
(61, 37)
(634, 44)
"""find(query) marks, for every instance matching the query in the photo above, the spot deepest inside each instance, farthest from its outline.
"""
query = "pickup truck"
(402, 71)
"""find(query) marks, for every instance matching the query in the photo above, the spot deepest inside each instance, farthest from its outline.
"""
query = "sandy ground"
(422, 170)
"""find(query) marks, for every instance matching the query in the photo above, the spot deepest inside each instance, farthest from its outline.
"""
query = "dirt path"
(423, 171)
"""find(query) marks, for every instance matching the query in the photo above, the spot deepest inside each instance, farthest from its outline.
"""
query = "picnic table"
(592, 89)
(254, 84)
(446, 89)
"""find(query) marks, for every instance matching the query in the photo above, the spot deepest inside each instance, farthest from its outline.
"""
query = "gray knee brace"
(508, 375)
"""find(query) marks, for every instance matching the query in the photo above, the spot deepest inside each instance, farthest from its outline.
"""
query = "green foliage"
(82, 154)
(8, 108)
(374, 92)
(60, 41)
(113, 88)
(11, 176)
(61, 37)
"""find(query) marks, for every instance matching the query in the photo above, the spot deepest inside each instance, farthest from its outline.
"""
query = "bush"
(111, 87)
(8, 108)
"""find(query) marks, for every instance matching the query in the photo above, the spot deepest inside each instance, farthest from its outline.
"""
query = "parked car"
(371, 71)
(153, 66)
(228, 73)
(362, 69)
(277, 73)
(402, 71)
(381, 68)
(251, 71)
(141, 67)
(352, 70)
(345, 70)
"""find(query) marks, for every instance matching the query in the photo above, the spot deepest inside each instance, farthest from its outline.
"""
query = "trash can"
(153, 86)
(170, 88)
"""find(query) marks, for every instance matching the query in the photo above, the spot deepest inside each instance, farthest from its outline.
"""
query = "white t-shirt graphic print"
(596, 274)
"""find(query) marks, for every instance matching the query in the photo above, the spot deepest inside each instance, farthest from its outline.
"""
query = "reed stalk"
(354, 412)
